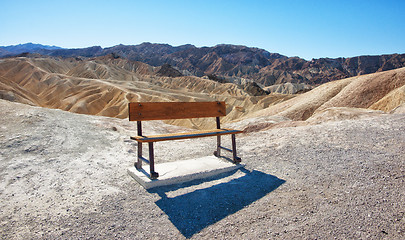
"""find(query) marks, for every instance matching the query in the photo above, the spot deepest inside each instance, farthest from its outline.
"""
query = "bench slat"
(194, 134)
(141, 111)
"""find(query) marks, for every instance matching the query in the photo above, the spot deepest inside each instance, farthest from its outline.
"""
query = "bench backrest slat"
(140, 111)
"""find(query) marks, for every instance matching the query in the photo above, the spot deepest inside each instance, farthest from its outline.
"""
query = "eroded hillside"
(103, 86)
(349, 98)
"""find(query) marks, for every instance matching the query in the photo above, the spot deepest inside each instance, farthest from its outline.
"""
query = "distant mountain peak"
(27, 48)
(30, 46)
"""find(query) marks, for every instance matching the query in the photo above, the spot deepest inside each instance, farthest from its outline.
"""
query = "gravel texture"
(64, 176)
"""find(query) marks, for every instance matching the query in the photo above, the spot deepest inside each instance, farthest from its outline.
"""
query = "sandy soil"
(63, 176)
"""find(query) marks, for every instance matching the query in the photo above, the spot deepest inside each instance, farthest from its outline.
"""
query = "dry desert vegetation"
(328, 163)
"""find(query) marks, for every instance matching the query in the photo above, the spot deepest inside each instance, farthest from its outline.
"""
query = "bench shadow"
(193, 211)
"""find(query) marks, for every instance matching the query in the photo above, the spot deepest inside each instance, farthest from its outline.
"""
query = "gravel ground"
(63, 176)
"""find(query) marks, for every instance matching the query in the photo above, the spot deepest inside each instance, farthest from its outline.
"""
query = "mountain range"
(27, 47)
(228, 63)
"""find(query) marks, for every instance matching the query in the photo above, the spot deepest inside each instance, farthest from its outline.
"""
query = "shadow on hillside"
(193, 211)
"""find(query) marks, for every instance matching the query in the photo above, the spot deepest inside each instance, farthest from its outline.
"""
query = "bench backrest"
(141, 111)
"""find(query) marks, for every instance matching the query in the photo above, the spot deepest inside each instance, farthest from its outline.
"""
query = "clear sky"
(308, 29)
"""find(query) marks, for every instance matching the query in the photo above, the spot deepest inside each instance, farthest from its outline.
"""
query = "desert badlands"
(328, 163)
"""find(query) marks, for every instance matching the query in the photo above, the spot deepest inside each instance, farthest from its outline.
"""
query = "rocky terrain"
(288, 88)
(234, 62)
(63, 176)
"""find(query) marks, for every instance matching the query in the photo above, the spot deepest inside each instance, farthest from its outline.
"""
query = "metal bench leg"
(236, 159)
(153, 174)
(138, 164)
(217, 153)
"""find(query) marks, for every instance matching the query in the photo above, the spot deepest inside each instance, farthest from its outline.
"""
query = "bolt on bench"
(143, 111)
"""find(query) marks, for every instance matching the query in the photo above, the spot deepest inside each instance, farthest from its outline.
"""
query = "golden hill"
(378, 91)
(103, 86)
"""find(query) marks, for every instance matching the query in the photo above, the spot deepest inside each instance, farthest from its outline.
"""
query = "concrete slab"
(182, 171)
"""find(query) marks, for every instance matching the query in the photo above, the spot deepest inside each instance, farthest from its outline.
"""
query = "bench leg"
(236, 159)
(138, 164)
(217, 153)
(153, 174)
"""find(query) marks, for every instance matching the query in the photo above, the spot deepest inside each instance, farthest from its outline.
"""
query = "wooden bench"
(143, 111)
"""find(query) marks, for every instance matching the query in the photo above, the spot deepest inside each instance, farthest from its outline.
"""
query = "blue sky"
(308, 29)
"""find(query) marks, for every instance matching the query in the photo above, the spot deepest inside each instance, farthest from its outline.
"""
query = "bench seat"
(177, 136)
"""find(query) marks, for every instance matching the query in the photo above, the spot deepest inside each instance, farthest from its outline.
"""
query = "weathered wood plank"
(141, 111)
(177, 136)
